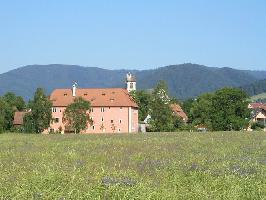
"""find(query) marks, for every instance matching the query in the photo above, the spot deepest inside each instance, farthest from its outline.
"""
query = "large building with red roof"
(112, 109)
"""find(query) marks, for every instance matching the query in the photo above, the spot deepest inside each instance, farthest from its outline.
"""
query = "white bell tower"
(130, 82)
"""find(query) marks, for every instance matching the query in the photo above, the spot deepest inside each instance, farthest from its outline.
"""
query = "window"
(131, 85)
(93, 127)
(102, 109)
(65, 94)
(120, 121)
(119, 130)
(91, 110)
(53, 109)
(56, 120)
(120, 108)
(112, 121)
(102, 119)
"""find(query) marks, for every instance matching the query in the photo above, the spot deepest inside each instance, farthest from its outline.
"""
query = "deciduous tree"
(230, 109)
(40, 116)
(162, 118)
(143, 99)
(76, 116)
(13, 103)
(226, 109)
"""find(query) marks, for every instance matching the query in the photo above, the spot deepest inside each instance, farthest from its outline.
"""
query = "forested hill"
(255, 88)
(185, 80)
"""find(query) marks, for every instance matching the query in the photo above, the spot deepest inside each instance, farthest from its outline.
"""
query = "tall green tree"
(3, 106)
(201, 110)
(230, 109)
(143, 99)
(76, 116)
(224, 110)
(162, 118)
(13, 103)
(40, 116)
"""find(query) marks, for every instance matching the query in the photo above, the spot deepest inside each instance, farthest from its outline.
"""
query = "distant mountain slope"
(259, 98)
(186, 80)
(190, 80)
(255, 88)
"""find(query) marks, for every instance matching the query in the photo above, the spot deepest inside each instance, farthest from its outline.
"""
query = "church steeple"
(130, 82)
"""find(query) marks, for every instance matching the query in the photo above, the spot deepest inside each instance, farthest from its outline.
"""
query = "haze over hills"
(255, 88)
(184, 81)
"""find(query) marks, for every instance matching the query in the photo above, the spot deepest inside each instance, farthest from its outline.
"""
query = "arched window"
(131, 85)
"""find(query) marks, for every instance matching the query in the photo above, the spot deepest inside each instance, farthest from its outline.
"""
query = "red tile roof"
(18, 118)
(257, 106)
(178, 111)
(98, 97)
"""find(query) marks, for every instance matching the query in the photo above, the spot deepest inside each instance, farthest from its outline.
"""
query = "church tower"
(130, 82)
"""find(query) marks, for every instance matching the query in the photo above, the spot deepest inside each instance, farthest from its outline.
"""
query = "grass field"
(220, 165)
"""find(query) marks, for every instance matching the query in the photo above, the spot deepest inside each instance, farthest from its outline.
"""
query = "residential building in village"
(258, 112)
(112, 109)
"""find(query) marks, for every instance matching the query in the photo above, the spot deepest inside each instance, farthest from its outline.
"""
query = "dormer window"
(112, 100)
(65, 94)
(85, 94)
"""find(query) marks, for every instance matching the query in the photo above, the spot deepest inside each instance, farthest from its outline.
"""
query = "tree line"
(223, 110)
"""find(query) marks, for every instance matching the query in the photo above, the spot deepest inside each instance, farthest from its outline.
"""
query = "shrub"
(257, 126)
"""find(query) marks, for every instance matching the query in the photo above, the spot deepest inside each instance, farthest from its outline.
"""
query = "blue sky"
(133, 34)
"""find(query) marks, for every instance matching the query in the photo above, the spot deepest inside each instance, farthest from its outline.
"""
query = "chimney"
(74, 89)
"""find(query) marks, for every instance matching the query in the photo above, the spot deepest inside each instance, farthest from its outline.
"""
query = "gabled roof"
(257, 106)
(178, 111)
(18, 118)
(98, 97)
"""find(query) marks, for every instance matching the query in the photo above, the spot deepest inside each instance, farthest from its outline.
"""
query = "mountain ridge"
(184, 80)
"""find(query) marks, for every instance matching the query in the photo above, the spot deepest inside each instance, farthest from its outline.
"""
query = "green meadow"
(218, 165)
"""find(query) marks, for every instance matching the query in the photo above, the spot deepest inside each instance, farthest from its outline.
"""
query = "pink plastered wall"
(105, 120)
